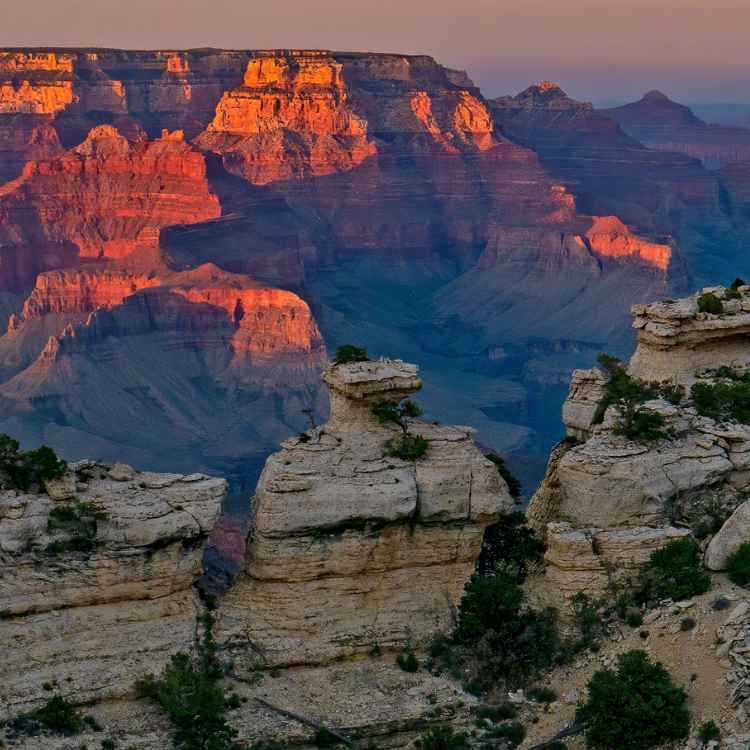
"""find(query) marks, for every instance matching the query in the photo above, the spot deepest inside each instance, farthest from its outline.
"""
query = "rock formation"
(107, 195)
(607, 501)
(660, 123)
(349, 548)
(92, 607)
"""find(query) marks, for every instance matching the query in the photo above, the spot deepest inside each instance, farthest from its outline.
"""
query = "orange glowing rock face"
(261, 322)
(107, 196)
(292, 119)
(610, 238)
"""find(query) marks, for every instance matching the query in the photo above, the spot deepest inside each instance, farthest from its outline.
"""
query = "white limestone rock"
(348, 548)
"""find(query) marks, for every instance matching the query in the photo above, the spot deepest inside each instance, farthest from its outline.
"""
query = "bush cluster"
(26, 470)
(350, 353)
(674, 571)
(634, 707)
(723, 401)
(57, 715)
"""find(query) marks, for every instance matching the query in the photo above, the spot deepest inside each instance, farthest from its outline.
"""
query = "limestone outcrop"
(91, 605)
(679, 342)
(608, 501)
(350, 548)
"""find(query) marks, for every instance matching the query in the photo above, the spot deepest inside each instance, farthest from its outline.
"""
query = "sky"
(695, 51)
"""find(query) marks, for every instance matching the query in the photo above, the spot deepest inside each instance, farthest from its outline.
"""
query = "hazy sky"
(693, 50)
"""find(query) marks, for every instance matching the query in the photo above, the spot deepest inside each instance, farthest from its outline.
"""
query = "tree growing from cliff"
(634, 707)
(27, 470)
(350, 353)
(408, 446)
(514, 484)
(191, 696)
(628, 394)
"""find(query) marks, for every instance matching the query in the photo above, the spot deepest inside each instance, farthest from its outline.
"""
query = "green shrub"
(57, 715)
(443, 738)
(627, 394)
(20, 470)
(672, 392)
(350, 353)
(710, 303)
(588, 620)
(644, 426)
(509, 540)
(513, 733)
(304, 437)
(514, 484)
(324, 738)
(93, 723)
(80, 522)
(408, 447)
(723, 401)
(506, 644)
(674, 571)
(687, 623)
(709, 731)
(738, 565)
(634, 618)
(108, 744)
(488, 604)
(635, 707)
(408, 661)
(732, 291)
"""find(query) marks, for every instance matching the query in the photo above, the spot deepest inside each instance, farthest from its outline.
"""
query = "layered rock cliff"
(350, 548)
(608, 501)
(658, 122)
(90, 607)
(107, 196)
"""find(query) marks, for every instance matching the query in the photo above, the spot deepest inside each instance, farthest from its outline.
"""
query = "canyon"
(375, 198)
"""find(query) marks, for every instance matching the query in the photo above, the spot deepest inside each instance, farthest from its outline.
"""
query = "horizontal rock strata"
(92, 619)
(351, 549)
(607, 501)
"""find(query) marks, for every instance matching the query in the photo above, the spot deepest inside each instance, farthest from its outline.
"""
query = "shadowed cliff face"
(658, 122)
(373, 199)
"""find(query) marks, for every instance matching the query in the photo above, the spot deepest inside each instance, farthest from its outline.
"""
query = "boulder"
(732, 534)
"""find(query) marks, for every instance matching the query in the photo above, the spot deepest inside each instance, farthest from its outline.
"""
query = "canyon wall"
(341, 178)
(662, 124)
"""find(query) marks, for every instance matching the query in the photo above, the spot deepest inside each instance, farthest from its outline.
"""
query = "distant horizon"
(690, 49)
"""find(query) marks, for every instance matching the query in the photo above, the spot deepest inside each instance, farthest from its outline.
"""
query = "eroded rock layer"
(90, 606)
(107, 195)
(608, 501)
(350, 548)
